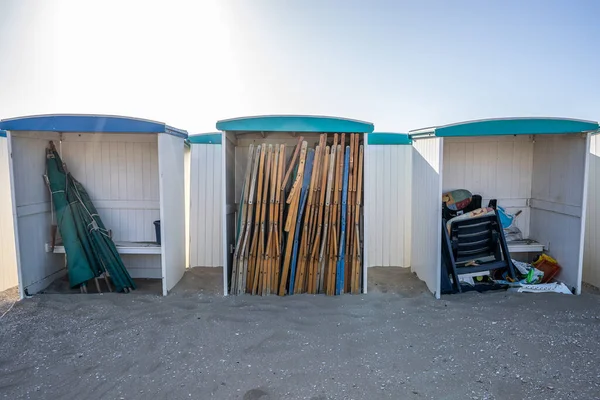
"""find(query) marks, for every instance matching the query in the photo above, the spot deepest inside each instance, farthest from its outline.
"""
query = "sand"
(397, 342)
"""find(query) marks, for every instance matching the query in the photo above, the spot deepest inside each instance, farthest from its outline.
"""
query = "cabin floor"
(395, 342)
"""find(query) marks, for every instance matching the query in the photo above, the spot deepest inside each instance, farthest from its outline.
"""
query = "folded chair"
(475, 245)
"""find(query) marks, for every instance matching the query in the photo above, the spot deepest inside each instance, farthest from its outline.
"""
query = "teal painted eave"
(205, 138)
(294, 123)
(509, 126)
(2, 133)
(95, 123)
(389, 138)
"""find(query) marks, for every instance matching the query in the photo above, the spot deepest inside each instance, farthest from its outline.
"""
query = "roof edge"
(294, 123)
(99, 123)
(509, 126)
(206, 138)
(389, 138)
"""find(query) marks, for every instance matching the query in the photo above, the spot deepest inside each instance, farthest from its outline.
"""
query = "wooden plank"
(357, 267)
(247, 232)
(279, 218)
(305, 227)
(263, 214)
(242, 219)
(316, 282)
(254, 248)
(291, 220)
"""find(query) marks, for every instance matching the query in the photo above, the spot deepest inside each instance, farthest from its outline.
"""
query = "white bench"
(122, 248)
(525, 246)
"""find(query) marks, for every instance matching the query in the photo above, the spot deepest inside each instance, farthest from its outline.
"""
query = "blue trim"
(205, 138)
(385, 138)
(294, 123)
(2, 133)
(88, 123)
(510, 126)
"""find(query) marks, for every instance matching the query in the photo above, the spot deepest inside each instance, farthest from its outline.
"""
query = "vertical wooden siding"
(120, 172)
(206, 206)
(32, 205)
(427, 159)
(388, 202)
(497, 167)
(8, 254)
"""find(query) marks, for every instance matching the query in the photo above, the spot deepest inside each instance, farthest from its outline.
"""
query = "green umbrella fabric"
(89, 247)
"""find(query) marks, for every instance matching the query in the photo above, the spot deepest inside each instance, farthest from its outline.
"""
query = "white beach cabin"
(388, 165)
(133, 170)
(206, 204)
(536, 165)
(239, 133)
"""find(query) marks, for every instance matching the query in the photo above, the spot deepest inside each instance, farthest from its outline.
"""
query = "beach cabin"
(387, 216)
(239, 133)
(205, 204)
(538, 166)
(133, 170)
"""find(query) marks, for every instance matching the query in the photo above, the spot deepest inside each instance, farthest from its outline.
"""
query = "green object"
(80, 270)
(89, 248)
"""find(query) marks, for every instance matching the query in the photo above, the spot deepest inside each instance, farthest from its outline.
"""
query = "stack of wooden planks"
(299, 225)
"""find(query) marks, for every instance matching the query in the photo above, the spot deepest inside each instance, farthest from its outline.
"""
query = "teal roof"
(388, 138)
(205, 138)
(88, 123)
(294, 123)
(509, 126)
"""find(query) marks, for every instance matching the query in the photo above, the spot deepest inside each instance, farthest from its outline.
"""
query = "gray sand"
(397, 342)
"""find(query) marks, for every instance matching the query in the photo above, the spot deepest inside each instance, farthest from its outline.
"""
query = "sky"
(399, 64)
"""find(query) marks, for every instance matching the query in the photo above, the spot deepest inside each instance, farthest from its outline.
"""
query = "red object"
(549, 269)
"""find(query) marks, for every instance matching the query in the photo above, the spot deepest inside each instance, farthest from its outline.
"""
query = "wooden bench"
(122, 248)
(525, 246)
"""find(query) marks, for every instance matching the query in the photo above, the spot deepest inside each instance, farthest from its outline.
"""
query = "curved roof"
(205, 138)
(383, 138)
(88, 123)
(294, 123)
(509, 126)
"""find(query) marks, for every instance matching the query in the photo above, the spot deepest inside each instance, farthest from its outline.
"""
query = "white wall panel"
(120, 172)
(8, 254)
(427, 159)
(143, 265)
(591, 261)
(559, 168)
(187, 164)
(32, 211)
(388, 202)
(172, 208)
(206, 205)
(498, 167)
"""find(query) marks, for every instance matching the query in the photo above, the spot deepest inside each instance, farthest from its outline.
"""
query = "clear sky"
(399, 64)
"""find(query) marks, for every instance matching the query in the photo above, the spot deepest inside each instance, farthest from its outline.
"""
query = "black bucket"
(157, 229)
